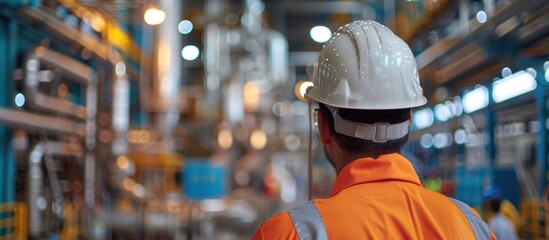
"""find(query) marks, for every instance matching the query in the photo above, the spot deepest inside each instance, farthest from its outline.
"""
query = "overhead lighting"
(426, 140)
(506, 72)
(512, 86)
(443, 112)
(460, 136)
(481, 16)
(423, 118)
(225, 139)
(301, 88)
(190, 52)
(320, 34)
(258, 139)
(546, 68)
(154, 16)
(120, 69)
(455, 106)
(185, 27)
(442, 140)
(475, 99)
(19, 100)
(252, 96)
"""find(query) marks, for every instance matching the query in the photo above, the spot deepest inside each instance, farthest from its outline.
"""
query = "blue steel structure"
(8, 40)
(541, 148)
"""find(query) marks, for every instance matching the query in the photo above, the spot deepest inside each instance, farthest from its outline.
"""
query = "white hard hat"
(366, 66)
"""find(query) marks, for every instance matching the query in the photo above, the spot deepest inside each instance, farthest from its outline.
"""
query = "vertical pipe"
(214, 9)
(278, 57)
(389, 16)
(35, 199)
(489, 7)
(167, 70)
(464, 16)
(489, 126)
(121, 110)
(541, 149)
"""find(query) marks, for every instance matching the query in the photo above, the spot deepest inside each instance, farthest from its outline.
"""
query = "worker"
(500, 225)
(505, 208)
(366, 82)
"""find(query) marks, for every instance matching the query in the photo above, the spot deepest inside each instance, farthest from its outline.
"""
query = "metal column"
(7, 159)
(541, 148)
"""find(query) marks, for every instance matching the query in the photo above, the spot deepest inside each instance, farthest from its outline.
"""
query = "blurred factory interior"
(163, 119)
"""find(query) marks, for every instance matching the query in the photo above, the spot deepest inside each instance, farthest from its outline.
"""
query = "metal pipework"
(164, 82)
(50, 25)
(36, 200)
(41, 123)
(74, 70)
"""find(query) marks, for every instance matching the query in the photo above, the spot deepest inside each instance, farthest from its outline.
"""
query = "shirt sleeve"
(492, 235)
(277, 227)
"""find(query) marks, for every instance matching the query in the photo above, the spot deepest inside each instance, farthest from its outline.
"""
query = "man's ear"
(410, 119)
(324, 129)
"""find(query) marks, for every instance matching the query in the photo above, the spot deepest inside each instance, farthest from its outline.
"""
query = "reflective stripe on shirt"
(480, 228)
(308, 223)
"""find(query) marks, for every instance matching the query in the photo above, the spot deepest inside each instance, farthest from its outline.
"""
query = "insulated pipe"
(41, 123)
(73, 69)
(36, 200)
(278, 57)
(166, 74)
(52, 26)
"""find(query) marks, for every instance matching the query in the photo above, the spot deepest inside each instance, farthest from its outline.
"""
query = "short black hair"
(495, 204)
(369, 147)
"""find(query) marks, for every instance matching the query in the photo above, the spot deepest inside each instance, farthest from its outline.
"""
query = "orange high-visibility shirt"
(379, 199)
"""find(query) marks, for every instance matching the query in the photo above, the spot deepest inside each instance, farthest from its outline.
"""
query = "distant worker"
(500, 225)
(506, 209)
(366, 82)
(433, 182)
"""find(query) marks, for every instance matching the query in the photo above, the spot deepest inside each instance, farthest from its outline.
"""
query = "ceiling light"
(481, 16)
(154, 16)
(320, 34)
(190, 52)
(258, 139)
(475, 99)
(442, 112)
(512, 86)
(423, 118)
(185, 27)
(19, 100)
(301, 88)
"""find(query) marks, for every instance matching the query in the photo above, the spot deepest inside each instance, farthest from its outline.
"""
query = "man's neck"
(344, 158)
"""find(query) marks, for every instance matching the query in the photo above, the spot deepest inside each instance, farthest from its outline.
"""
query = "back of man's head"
(495, 204)
(374, 149)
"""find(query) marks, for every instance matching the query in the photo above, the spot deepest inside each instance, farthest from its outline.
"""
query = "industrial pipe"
(103, 50)
(73, 69)
(40, 123)
(36, 200)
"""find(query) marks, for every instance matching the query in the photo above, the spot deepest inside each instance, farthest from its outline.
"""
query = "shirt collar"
(366, 170)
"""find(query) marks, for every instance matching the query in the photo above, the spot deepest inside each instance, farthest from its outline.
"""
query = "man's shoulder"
(279, 226)
(280, 217)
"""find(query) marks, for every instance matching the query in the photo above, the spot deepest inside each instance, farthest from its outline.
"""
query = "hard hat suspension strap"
(379, 132)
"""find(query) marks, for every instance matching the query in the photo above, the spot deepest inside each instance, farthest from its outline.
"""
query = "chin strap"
(377, 132)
